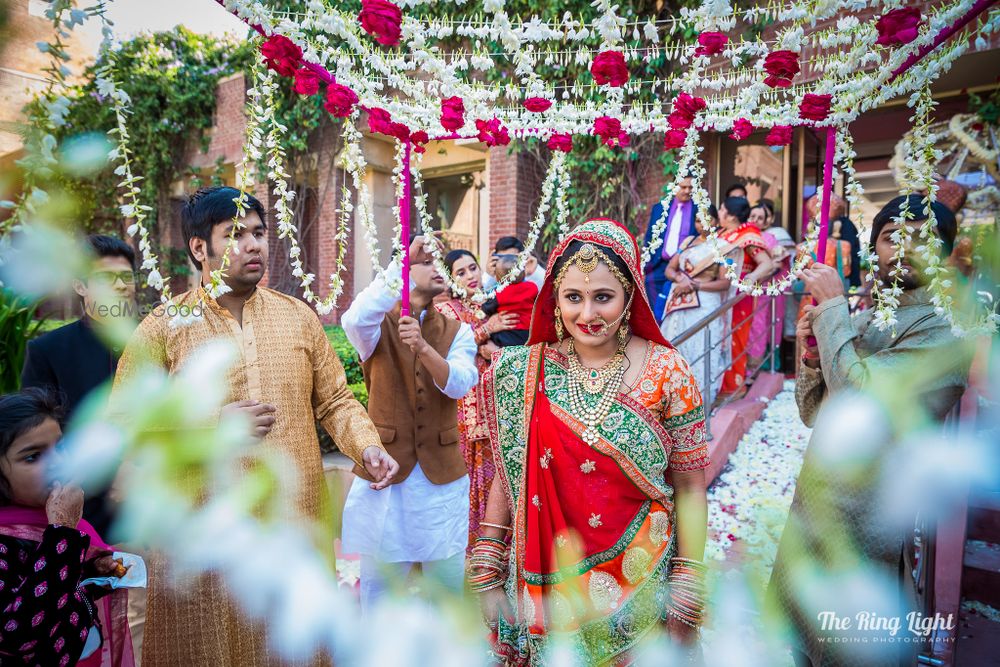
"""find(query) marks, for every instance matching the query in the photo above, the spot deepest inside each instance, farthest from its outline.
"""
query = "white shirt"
(363, 325)
(414, 521)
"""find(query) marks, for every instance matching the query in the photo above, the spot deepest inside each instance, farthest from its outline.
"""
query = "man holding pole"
(415, 367)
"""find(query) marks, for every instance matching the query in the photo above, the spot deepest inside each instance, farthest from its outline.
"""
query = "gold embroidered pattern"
(544, 459)
(587, 467)
(536, 501)
(605, 591)
(659, 526)
(595, 520)
(635, 564)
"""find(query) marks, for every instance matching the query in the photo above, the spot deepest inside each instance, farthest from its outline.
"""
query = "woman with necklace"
(472, 435)
(595, 527)
(734, 216)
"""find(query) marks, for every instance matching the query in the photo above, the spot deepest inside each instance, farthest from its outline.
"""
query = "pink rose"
(679, 120)
(381, 20)
(492, 133)
(379, 121)
(711, 43)
(452, 114)
(340, 100)
(419, 138)
(780, 135)
(689, 106)
(561, 142)
(742, 128)
(815, 107)
(609, 68)
(537, 104)
(781, 68)
(306, 81)
(282, 55)
(674, 139)
(900, 26)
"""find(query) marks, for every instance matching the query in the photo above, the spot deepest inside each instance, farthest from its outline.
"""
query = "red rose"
(674, 139)
(379, 121)
(306, 81)
(815, 107)
(679, 120)
(900, 26)
(781, 68)
(400, 131)
(711, 43)
(689, 106)
(780, 135)
(537, 104)
(492, 133)
(419, 138)
(452, 114)
(281, 55)
(561, 142)
(742, 128)
(381, 20)
(340, 100)
(610, 131)
(609, 68)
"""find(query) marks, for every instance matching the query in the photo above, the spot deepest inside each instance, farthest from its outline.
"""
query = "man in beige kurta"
(286, 376)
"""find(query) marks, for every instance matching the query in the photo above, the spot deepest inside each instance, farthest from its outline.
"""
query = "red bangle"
(810, 355)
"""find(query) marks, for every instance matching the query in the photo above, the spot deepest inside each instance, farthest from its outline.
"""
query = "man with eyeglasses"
(73, 360)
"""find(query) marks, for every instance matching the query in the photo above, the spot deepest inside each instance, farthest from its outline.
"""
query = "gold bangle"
(494, 525)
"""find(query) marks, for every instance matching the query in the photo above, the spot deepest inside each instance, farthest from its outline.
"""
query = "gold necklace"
(592, 391)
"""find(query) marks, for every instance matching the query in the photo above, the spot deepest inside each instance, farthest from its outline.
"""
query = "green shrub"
(348, 356)
(17, 327)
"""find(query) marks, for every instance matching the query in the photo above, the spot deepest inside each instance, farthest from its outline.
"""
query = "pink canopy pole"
(404, 232)
(824, 211)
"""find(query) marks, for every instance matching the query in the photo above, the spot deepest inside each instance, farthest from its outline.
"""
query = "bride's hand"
(493, 603)
(681, 633)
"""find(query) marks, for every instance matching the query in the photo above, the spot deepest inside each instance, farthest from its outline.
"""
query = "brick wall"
(515, 183)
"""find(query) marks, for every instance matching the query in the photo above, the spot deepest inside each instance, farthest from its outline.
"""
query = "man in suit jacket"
(73, 360)
(680, 225)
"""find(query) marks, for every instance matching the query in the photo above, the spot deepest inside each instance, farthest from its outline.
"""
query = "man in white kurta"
(415, 368)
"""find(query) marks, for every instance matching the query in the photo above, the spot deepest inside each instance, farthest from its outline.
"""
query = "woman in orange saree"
(598, 431)
(757, 266)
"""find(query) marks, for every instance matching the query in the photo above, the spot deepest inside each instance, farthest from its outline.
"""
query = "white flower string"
(260, 77)
(353, 162)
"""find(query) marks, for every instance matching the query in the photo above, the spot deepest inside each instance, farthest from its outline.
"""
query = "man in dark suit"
(73, 360)
(679, 226)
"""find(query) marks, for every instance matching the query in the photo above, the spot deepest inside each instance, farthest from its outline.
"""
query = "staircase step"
(981, 572)
(984, 516)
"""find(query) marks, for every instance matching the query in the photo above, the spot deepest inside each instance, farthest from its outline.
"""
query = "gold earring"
(560, 333)
(623, 330)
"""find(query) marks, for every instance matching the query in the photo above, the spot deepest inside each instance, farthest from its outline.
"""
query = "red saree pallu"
(592, 537)
(748, 237)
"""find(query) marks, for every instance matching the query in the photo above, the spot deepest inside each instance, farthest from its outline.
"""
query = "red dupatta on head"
(613, 236)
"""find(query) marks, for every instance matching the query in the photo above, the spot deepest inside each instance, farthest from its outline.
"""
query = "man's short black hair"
(109, 246)
(733, 188)
(213, 206)
(508, 243)
(947, 226)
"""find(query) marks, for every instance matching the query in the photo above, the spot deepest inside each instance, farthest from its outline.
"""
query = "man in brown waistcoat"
(415, 369)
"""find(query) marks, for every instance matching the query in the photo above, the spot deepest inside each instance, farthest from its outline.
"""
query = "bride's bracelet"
(487, 565)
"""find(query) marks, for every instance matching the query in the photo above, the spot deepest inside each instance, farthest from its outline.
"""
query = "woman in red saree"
(757, 266)
(598, 431)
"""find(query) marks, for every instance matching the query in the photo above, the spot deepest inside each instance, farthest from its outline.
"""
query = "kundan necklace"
(592, 391)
